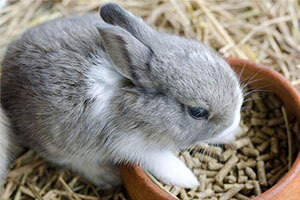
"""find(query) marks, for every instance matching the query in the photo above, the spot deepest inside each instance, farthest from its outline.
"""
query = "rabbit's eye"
(198, 113)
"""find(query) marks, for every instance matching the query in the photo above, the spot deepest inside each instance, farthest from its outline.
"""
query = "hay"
(264, 31)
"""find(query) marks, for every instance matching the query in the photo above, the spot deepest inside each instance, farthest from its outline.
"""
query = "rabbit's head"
(180, 92)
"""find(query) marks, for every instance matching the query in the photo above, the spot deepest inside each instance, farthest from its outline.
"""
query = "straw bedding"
(263, 31)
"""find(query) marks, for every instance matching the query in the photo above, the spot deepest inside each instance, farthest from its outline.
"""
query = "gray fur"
(47, 75)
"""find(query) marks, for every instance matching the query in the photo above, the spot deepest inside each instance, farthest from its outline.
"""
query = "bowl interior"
(140, 186)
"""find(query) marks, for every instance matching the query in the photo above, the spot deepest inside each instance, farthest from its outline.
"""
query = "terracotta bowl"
(140, 187)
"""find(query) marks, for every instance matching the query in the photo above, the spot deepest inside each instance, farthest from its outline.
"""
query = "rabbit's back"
(45, 80)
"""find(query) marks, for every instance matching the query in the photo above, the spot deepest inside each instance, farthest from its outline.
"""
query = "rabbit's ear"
(126, 52)
(114, 14)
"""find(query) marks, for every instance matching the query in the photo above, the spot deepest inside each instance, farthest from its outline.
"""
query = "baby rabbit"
(89, 93)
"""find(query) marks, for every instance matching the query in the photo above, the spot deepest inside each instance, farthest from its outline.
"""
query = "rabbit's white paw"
(171, 170)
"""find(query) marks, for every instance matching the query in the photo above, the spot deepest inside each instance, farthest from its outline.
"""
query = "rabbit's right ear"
(114, 14)
(127, 53)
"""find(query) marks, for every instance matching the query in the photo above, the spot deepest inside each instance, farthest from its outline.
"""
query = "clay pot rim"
(288, 177)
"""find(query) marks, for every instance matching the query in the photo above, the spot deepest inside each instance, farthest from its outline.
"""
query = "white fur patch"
(169, 169)
(162, 164)
(103, 79)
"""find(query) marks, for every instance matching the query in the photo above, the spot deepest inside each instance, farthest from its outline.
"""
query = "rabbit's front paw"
(170, 170)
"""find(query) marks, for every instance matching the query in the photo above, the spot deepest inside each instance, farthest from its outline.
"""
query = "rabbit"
(88, 93)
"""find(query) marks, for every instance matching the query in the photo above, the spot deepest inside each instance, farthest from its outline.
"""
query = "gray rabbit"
(89, 93)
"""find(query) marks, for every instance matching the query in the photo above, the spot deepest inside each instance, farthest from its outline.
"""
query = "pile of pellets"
(263, 152)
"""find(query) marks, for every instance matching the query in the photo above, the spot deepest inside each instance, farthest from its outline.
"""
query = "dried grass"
(264, 31)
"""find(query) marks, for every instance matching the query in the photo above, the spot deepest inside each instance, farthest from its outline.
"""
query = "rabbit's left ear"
(127, 53)
(114, 14)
